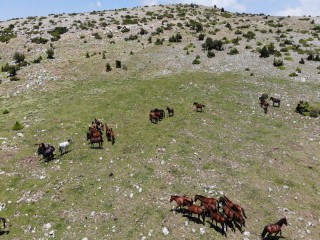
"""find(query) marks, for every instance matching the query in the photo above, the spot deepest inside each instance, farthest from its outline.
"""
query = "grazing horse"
(64, 146)
(206, 200)
(110, 135)
(46, 150)
(199, 106)
(170, 111)
(194, 209)
(235, 207)
(95, 137)
(160, 113)
(181, 200)
(275, 102)
(153, 117)
(4, 221)
(274, 228)
(225, 222)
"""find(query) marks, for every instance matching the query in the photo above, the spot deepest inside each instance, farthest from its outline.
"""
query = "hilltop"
(61, 71)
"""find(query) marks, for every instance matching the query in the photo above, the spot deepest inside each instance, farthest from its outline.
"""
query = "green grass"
(229, 147)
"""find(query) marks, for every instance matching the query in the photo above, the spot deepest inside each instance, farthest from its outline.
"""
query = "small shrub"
(50, 53)
(108, 67)
(118, 64)
(277, 62)
(17, 126)
(18, 57)
(210, 54)
(14, 79)
(6, 111)
(201, 36)
(39, 40)
(233, 51)
(294, 74)
(298, 70)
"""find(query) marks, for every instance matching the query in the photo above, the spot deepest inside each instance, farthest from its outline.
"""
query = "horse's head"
(284, 220)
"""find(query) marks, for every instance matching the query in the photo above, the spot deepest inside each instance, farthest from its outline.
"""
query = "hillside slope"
(268, 163)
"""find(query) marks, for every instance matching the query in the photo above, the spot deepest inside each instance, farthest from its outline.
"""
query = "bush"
(233, 51)
(50, 53)
(212, 44)
(56, 32)
(201, 36)
(118, 64)
(14, 79)
(6, 111)
(37, 60)
(18, 57)
(17, 126)
(277, 62)
(176, 38)
(294, 74)
(210, 54)
(108, 67)
(11, 69)
(39, 40)
(110, 35)
(97, 36)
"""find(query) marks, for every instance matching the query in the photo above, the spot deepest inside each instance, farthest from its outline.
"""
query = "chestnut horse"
(153, 117)
(194, 209)
(203, 199)
(170, 111)
(181, 200)
(199, 106)
(275, 102)
(274, 228)
(95, 137)
(235, 217)
(220, 218)
(237, 208)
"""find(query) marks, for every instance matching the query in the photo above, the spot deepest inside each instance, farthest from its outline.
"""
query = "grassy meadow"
(267, 163)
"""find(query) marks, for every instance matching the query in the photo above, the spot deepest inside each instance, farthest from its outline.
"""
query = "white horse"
(64, 146)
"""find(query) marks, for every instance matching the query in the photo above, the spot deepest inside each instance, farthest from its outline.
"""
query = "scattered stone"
(165, 231)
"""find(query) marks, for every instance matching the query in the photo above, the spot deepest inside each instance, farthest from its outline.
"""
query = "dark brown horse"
(207, 200)
(110, 135)
(237, 208)
(194, 209)
(170, 111)
(220, 218)
(181, 200)
(199, 106)
(274, 228)
(275, 102)
(95, 137)
(46, 150)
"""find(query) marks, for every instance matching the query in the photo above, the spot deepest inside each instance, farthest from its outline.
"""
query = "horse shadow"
(193, 219)
(273, 237)
(2, 232)
(180, 210)
(218, 229)
(65, 152)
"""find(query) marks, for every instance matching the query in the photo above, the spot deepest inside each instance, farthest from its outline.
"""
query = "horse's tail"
(264, 232)
(244, 214)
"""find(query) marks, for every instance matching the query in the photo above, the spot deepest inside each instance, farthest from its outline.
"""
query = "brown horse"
(153, 117)
(110, 135)
(237, 208)
(95, 137)
(199, 106)
(274, 228)
(233, 216)
(170, 111)
(220, 218)
(46, 150)
(194, 209)
(181, 200)
(207, 200)
(275, 102)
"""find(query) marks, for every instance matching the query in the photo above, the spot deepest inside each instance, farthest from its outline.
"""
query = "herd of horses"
(232, 215)
(94, 136)
(264, 103)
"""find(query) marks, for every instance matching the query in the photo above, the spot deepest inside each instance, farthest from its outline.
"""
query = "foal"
(275, 102)
(199, 106)
(64, 146)
(170, 111)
